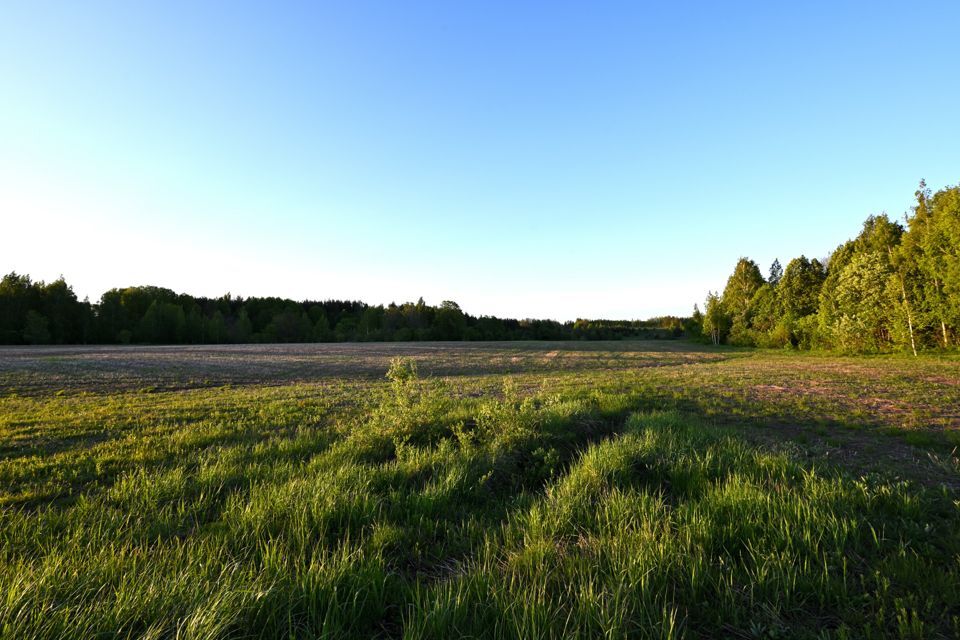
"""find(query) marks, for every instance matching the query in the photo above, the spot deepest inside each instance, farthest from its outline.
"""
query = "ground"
(541, 489)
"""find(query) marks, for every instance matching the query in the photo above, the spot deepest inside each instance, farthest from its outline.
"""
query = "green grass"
(614, 490)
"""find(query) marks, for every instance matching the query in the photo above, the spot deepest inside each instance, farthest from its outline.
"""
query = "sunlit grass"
(592, 503)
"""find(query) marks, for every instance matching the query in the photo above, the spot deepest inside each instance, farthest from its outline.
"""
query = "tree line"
(41, 313)
(893, 287)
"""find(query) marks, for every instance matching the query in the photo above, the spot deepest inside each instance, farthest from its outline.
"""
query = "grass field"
(512, 490)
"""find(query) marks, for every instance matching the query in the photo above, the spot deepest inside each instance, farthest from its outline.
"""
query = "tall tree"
(449, 322)
(764, 313)
(776, 272)
(863, 304)
(36, 328)
(799, 288)
(740, 289)
(716, 323)
(18, 296)
(936, 225)
(946, 211)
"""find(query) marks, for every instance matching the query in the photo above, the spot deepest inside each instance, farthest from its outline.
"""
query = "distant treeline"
(40, 313)
(893, 287)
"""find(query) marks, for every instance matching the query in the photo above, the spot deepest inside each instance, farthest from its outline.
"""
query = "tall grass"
(424, 514)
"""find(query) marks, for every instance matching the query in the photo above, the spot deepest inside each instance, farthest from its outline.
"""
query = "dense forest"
(40, 313)
(893, 287)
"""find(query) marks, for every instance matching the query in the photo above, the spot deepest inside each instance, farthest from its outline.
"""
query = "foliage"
(863, 304)
(799, 288)
(39, 313)
(716, 322)
(890, 288)
(36, 313)
(402, 371)
(776, 272)
(741, 286)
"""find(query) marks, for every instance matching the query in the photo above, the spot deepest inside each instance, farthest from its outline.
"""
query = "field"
(509, 490)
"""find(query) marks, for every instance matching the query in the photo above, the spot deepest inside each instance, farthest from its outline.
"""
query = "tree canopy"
(39, 313)
(893, 287)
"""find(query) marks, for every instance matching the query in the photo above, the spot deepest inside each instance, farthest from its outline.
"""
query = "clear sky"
(525, 159)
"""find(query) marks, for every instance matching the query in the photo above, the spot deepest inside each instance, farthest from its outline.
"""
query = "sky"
(524, 159)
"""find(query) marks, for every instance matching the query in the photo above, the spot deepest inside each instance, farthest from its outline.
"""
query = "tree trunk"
(943, 325)
(906, 305)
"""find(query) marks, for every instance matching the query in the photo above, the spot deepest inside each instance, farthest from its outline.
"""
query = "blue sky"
(524, 159)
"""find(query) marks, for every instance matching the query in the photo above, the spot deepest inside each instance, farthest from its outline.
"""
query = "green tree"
(764, 313)
(18, 295)
(693, 326)
(799, 288)
(193, 331)
(946, 211)
(776, 272)
(242, 330)
(934, 240)
(163, 323)
(216, 328)
(346, 329)
(828, 312)
(371, 323)
(290, 325)
(840, 315)
(863, 304)
(66, 314)
(716, 322)
(321, 328)
(36, 328)
(737, 295)
(449, 322)
(910, 288)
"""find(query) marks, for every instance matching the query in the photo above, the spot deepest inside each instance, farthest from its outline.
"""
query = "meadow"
(642, 489)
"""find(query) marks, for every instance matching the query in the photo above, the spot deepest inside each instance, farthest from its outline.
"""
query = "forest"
(895, 287)
(50, 313)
